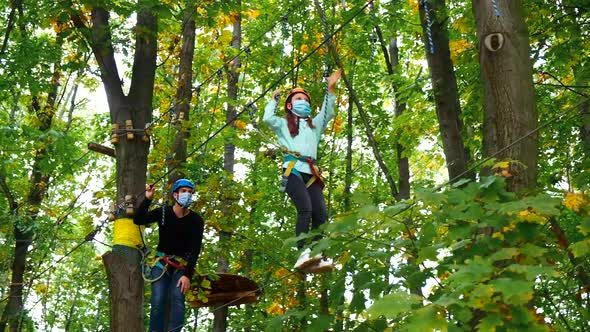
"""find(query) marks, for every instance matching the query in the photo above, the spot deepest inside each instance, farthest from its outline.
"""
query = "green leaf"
(490, 322)
(544, 203)
(487, 181)
(430, 197)
(428, 253)
(514, 291)
(275, 324)
(321, 323)
(584, 226)
(391, 305)
(504, 253)
(531, 272)
(426, 319)
(580, 248)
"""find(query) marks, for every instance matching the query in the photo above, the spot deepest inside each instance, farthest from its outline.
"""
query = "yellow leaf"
(275, 309)
(241, 125)
(574, 201)
(501, 164)
(414, 5)
(461, 25)
(458, 46)
(253, 13)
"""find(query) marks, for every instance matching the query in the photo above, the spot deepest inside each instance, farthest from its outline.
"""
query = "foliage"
(469, 257)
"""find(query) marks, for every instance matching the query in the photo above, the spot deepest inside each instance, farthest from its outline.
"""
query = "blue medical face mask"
(301, 108)
(185, 199)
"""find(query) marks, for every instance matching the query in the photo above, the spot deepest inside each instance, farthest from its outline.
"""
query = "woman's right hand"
(276, 95)
(149, 191)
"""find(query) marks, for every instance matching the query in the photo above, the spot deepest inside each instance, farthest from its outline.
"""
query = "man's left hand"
(184, 283)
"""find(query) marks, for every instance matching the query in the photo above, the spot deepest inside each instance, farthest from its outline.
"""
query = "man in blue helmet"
(180, 238)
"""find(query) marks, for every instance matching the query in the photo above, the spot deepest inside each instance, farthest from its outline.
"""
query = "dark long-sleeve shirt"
(178, 236)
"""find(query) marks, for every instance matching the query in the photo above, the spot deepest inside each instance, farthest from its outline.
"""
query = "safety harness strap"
(162, 260)
(292, 159)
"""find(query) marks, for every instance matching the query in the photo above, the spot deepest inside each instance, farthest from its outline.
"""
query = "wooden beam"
(101, 149)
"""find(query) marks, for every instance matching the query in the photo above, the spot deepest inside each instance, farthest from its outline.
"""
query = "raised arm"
(327, 111)
(270, 118)
(142, 215)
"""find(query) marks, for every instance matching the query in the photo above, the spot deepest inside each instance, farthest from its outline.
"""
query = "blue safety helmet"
(182, 183)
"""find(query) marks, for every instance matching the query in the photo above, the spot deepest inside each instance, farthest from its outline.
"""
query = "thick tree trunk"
(220, 314)
(124, 293)
(122, 265)
(509, 101)
(434, 18)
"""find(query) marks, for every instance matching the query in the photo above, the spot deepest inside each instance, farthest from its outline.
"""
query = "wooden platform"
(227, 289)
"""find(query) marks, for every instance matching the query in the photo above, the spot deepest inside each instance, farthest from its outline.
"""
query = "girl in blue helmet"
(179, 245)
(299, 132)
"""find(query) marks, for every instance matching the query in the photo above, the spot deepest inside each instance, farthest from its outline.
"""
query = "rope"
(496, 8)
(429, 23)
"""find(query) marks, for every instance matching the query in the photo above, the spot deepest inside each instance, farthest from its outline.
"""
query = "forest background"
(456, 166)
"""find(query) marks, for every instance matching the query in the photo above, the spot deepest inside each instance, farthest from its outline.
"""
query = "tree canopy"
(471, 253)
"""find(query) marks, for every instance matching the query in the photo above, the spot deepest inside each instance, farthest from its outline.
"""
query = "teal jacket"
(306, 142)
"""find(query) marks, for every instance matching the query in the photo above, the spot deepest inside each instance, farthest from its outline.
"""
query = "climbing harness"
(161, 260)
(292, 158)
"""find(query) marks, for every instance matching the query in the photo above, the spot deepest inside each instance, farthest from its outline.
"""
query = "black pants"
(310, 204)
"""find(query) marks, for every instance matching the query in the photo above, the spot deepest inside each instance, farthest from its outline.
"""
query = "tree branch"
(102, 47)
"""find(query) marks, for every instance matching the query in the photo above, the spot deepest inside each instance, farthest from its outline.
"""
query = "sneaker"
(305, 260)
(322, 266)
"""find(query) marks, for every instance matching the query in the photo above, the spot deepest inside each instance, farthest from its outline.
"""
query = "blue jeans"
(162, 289)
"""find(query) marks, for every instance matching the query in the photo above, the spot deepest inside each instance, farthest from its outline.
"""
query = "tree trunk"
(509, 102)
(434, 18)
(124, 293)
(348, 175)
(220, 314)
(122, 265)
(184, 95)
(15, 5)
(391, 57)
(585, 129)
(23, 229)
(71, 311)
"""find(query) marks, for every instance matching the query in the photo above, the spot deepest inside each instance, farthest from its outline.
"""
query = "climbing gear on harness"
(182, 183)
(161, 260)
(173, 261)
(292, 158)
